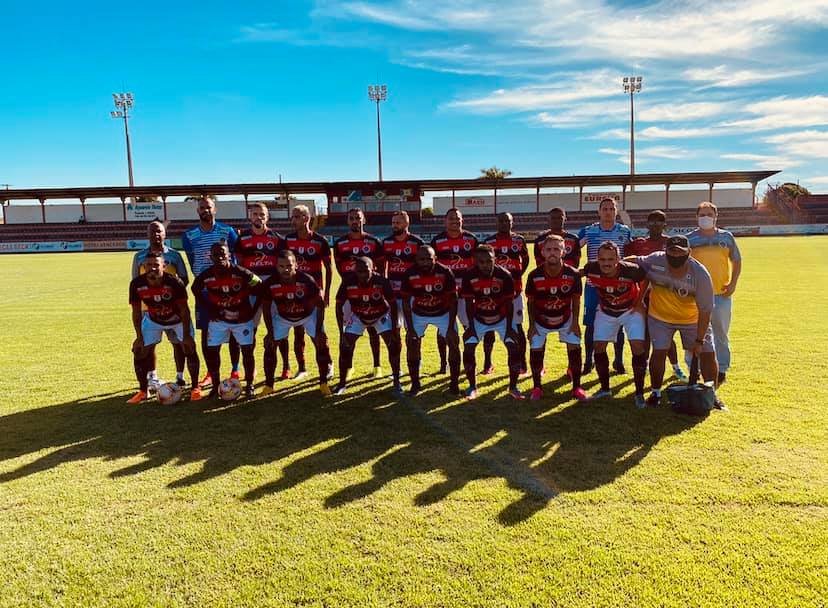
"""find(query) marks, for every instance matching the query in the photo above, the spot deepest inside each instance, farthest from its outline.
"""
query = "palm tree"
(494, 173)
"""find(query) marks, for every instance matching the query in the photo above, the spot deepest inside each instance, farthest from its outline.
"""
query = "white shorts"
(461, 313)
(481, 329)
(281, 326)
(218, 333)
(153, 331)
(517, 316)
(441, 322)
(357, 327)
(257, 316)
(400, 315)
(538, 341)
(607, 326)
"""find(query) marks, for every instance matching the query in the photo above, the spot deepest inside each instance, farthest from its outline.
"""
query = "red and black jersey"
(259, 253)
(491, 295)
(368, 302)
(511, 254)
(456, 254)
(311, 253)
(228, 292)
(551, 297)
(347, 249)
(294, 301)
(432, 294)
(616, 294)
(399, 257)
(645, 246)
(572, 248)
(161, 301)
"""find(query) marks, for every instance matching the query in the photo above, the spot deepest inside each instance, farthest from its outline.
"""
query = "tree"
(147, 199)
(494, 172)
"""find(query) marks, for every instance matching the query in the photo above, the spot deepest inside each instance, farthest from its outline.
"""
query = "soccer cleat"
(579, 395)
(722, 378)
(205, 382)
(329, 376)
(453, 391)
(603, 393)
(536, 394)
(679, 373)
(488, 370)
(719, 405)
(285, 374)
(516, 394)
(443, 369)
(587, 370)
(137, 398)
(640, 401)
(618, 367)
(234, 374)
(266, 390)
(249, 391)
(415, 388)
(471, 393)
(214, 393)
(377, 372)
(181, 382)
(398, 389)
(195, 394)
(301, 375)
(340, 390)
(653, 400)
(325, 389)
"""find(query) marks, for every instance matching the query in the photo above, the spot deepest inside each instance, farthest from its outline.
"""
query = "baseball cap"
(678, 242)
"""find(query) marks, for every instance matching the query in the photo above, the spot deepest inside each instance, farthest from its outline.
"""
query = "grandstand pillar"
(753, 195)
(164, 202)
(495, 201)
(43, 209)
(666, 196)
(537, 200)
(452, 199)
(624, 197)
(581, 197)
(123, 206)
(710, 192)
(83, 208)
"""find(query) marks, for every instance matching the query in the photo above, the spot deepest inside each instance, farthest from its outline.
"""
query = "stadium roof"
(569, 181)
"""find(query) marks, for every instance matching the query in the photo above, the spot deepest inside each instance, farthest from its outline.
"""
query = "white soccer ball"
(169, 393)
(230, 389)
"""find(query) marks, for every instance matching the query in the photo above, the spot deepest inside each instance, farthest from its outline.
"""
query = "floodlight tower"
(124, 102)
(632, 85)
(378, 93)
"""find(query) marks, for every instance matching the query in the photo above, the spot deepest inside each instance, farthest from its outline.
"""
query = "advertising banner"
(41, 247)
(145, 211)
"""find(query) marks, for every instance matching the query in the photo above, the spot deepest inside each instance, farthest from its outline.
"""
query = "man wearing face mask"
(717, 250)
(681, 300)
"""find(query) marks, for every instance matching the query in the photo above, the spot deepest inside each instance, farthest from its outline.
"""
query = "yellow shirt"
(717, 253)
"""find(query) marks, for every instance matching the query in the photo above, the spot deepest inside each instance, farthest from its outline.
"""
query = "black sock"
(536, 362)
(602, 367)
(639, 364)
(574, 357)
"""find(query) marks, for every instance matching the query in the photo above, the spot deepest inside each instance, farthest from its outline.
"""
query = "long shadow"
(594, 443)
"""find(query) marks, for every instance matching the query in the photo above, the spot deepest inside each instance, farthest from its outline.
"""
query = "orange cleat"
(137, 398)
(195, 394)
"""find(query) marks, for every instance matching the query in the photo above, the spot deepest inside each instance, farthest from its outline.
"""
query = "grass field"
(368, 501)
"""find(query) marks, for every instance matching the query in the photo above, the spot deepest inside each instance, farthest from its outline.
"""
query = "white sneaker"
(601, 394)
(153, 384)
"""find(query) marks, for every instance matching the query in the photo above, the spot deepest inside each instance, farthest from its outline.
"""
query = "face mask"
(706, 222)
(677, 261)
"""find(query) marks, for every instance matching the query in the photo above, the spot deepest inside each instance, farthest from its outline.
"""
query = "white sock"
(179, 375)
(152, 375)
(676, 367)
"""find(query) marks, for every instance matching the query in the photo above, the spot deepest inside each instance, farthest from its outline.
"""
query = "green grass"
(367, 501)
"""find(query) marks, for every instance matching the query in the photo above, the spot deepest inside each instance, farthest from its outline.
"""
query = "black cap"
(678, 242)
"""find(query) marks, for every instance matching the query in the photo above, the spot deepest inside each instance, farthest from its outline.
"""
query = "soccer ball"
(168, 394)
(229, 389)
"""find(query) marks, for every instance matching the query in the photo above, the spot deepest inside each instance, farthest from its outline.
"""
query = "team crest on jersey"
(377, 295)
(438, 287)
(270, 245)
(467, 247)
(515, 247)
(366, 249)
(622, 288)
(397, 251)
(166, 295)
(237, 286)
(610, 290)
(565, 288)
(259, 245)
(505, 250)
(300, 294)
(428, 288)
(311, 250)
(407, 251)
(301, 249)
(355, 250)
(456, 249)
(495, 288)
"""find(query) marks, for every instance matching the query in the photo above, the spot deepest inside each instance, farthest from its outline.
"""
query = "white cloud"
(765, 161)
(820, 179)
(804, 144)
(674, 112)
(784, 112)
(726, 76)
(648, 153)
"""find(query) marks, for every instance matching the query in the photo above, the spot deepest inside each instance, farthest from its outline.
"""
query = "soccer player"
(174, 265)
(681, 300)
(606, 229)
(655, 241)
(620, 296)
(400, 250)
(225, 289)
(718, 251)
(455, 250)
(197, 243)
(489, 294)
(511, 254)
(429, 297)
(372, 304)
(257, 249)
(313, 254)
(159, 306)
(553, 293)
(572, 245)
(347, 249)
(299, 303)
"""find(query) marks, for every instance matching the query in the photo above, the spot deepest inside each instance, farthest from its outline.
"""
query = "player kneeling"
(373, 305)
(554, 295)
(429, 297)
(620, 299)
(165, 299)
(299, 304)
(225, 290)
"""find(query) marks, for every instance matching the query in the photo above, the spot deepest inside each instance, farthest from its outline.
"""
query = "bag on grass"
(692, 398)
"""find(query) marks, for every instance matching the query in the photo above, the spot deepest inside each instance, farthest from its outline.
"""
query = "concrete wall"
(23, 214)
(64, 213)
(101, 212)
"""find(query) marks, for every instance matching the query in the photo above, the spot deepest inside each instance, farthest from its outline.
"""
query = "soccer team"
(648, 288)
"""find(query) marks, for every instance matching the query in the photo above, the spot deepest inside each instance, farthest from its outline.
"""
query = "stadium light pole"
(632, 85)
(124, 102)
(378, 93)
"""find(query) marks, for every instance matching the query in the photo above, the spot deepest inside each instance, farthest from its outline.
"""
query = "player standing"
(159, 306)
(400, 250)
(429, 297)
(553, 293)
(225, 289)
(489, 294)
(197, 243)
(298, 303)
(511, 254)
(373, 305)
(313, 254)
(358, 243)
(572, 245)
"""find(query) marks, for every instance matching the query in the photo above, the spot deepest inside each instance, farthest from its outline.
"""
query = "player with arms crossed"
(313, 254)
(553, 293)
(299, 303)
(372, 304)
(225, 289)
(358, 243)
(620, 297)
(489, 294)
(429, 297)
(165, 299)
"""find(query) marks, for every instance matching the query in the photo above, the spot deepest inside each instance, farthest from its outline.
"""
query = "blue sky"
(246, 91)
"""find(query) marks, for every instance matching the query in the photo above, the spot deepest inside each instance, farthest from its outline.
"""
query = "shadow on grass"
(541, 448)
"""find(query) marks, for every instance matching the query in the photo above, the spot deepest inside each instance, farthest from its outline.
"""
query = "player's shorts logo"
(246, 332)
